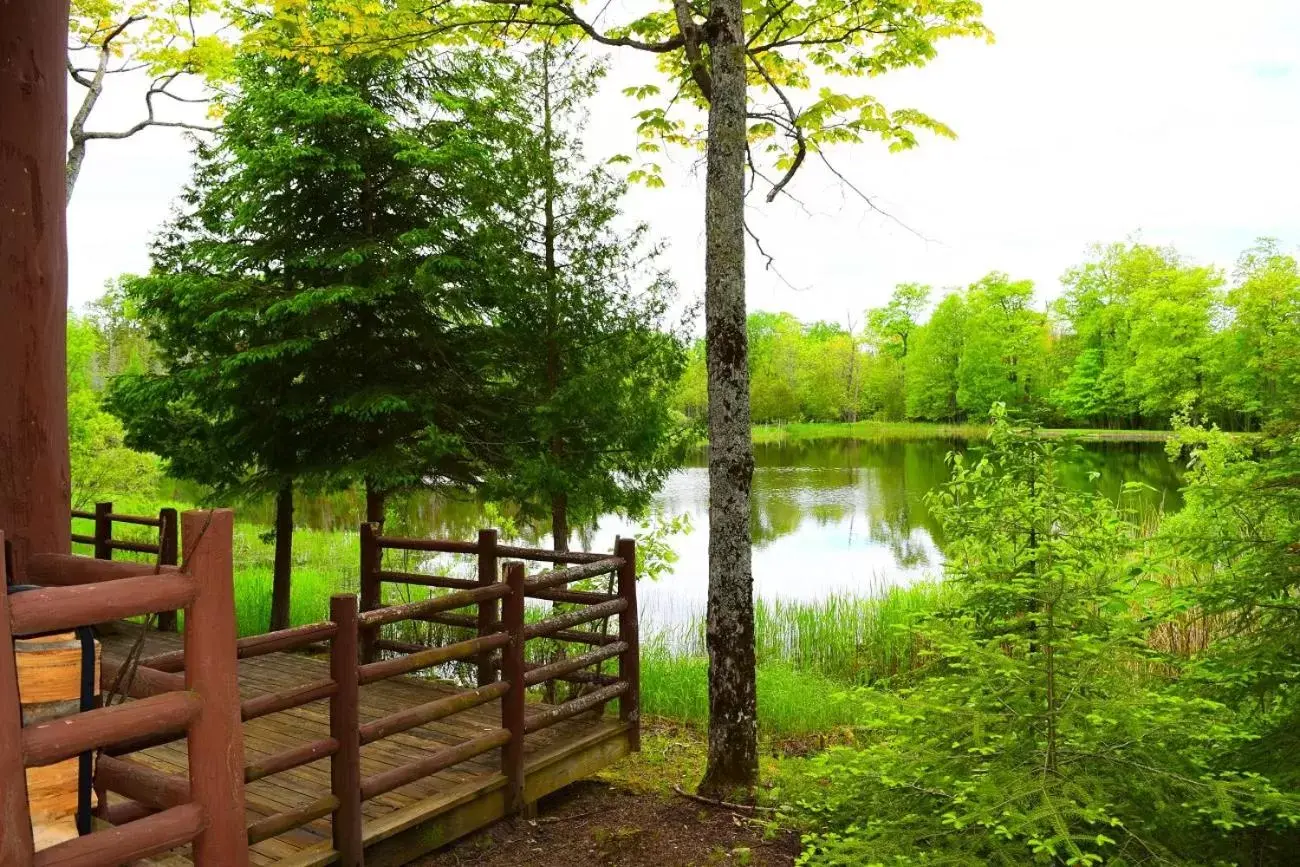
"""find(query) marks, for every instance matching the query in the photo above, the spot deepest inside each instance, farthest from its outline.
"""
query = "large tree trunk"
(35, 494)
(733, 726)
(281, 582)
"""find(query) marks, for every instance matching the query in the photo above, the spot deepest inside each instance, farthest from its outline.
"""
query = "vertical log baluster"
(216, 737)
(629, 661)
(345, 764)
(488, 611)
(103, 531)
(512, 671)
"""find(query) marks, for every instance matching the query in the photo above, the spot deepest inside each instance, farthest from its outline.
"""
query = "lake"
(830, 516)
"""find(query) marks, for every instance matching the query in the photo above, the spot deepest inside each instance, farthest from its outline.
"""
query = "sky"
(1176, 121)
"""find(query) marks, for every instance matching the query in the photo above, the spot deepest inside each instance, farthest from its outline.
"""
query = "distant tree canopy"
(1138, 335)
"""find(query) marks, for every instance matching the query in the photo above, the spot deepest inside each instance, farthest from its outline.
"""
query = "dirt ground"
(596, 823)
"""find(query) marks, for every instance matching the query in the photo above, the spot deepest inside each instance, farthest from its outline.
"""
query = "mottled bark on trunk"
(560, 522)
(733, 732)
(376, 503)
(35, 494)
(282, 578)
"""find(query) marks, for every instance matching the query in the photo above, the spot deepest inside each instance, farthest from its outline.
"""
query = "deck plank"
(404, 807)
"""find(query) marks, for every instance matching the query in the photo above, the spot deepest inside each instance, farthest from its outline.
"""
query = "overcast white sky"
(1087, 120)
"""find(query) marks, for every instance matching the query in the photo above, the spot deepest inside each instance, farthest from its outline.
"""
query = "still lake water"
(829, 516)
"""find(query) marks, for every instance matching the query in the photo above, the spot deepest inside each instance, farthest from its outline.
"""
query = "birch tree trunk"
(733, 733)
(35, 493)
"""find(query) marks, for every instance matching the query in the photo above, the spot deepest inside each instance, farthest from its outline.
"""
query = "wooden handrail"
(542, 673)
(137, 547)
(590, 701)
(441, 546)
(53, 741)
(460, 599)
(58, 609)
(399, 665)
(275, 702)
(559, 577)
(278, 823)
(130, 842)
(293, 638)
(141, 783)
(67, 570)
(405, 720)
(165, 548)
(139, 520)
(386, 781)
(290, 758)
(543, 628)
(418, 578)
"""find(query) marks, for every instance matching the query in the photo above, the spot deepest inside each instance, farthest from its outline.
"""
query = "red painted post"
(512, 703)
(168, 555)
(216, 737)
(368, 584)
(16, 844)
(488, 611)
(629, 630)
(103, 531)
(345, 722)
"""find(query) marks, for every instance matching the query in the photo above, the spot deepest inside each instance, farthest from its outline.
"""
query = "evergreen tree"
(588, 367)
(319, 302)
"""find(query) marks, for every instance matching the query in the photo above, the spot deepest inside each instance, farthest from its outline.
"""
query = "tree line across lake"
(1138, 335)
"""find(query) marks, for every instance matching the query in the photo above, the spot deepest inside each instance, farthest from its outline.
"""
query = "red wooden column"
(35, 495)
(16, 845)
(512, 703)
(103, 531)
(216, 737)
(629, 630)
(345, 764)
(488, 610)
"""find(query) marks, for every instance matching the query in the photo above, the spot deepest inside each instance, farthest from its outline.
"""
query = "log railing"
(207, 810)
(103, 543)
(498, 645)
(150, 791)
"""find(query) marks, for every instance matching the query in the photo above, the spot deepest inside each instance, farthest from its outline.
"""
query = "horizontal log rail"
(58, 609)
(83, 538)
(122, 812)
(149, 787)
(294, 638)
(560, 577)
(275, 702)
(515, 552)
(542, 673)
(440, 546)
(278, 823)
(590, 701)
(419, 578)
(405, 720)
(139, 520)
(130, 842)
(438, 604)
(137, 547)
(289, 759)
(569, 619)
(48, 742)
(67, 570)
(399, 665)
(386, 781)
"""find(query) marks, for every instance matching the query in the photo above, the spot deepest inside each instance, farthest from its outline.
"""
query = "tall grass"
(808, 653)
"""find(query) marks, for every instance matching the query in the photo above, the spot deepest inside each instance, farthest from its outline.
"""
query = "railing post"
(629, 630)
(345, 765)
(368, 585)
(16, 843)
(216, 737)
(103, 531)
(512, 703)
(168, 555)
(489, 610)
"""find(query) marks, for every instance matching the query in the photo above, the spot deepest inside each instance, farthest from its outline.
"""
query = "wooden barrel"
(49, 687)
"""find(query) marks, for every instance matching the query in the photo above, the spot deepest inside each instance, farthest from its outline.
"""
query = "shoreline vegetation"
(899, 431)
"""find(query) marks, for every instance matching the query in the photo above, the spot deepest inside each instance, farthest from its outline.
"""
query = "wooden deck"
(411, 820)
